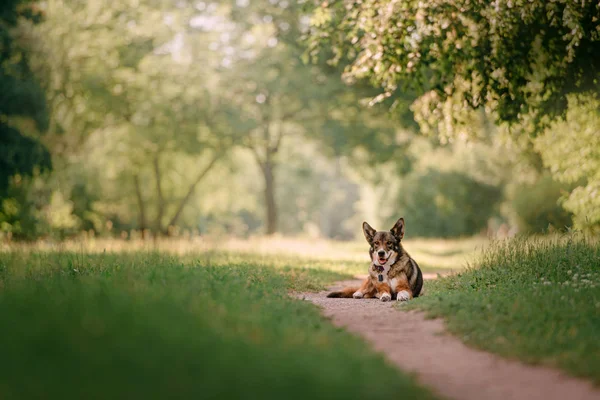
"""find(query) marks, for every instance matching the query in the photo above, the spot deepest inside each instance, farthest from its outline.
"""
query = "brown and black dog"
(393, 273)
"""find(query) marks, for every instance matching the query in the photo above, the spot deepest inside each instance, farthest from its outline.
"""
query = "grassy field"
(177, 319)
(433, 255)
(532, 299)
(80, 324)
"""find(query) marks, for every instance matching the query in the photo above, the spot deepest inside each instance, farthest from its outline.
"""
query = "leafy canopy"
(517, 58)
(20, 96)
(570, 148)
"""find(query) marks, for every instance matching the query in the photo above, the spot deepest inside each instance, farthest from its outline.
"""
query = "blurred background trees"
(21, 97)
(163, 117)
(530, 67)
(23, 111)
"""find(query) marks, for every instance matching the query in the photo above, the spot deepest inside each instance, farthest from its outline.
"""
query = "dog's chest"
(393, 282)
(382, 277)
(380, 273)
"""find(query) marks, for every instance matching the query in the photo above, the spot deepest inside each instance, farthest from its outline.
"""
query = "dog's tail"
(344, 293)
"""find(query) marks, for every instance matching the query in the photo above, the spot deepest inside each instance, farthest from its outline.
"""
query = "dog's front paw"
(403, 295)
(385, 297)
(358, 295)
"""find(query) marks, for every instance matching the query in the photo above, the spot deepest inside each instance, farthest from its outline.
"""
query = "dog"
(393, 273)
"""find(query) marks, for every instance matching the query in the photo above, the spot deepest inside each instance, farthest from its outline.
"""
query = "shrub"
(447, 203)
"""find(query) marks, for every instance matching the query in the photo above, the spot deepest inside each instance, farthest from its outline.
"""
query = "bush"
(32, 210)
(570, 149)
(536, 206)
(447, 203)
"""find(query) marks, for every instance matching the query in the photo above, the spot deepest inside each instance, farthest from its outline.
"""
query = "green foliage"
(537, 300)
(151, 98)
(145, 325)
(518, 58)
(452, 190)
(536, 206)
(446, 203)
(34, 208)
(279, 97)
(19, 154)
(463, 62)
(124, 108)
(570, 148)
(20, 96)
(328, 211)
(168, 117)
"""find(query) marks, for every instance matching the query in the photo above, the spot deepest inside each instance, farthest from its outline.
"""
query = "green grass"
(313, 268)
(533, 299)
(144, 325)
(433, 255)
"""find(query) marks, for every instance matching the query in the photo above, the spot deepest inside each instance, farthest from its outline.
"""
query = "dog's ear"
(369, 232)
(398, 229)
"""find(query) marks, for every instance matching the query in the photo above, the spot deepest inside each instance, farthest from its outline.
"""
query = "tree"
(277, 95)
(130, 93)
(571, 150)
(447, 204)
(20, 96)
(518, 59)
(145, 101)
(535, 206)
(527, 64)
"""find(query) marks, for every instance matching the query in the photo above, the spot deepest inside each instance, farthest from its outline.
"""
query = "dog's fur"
(402, 277)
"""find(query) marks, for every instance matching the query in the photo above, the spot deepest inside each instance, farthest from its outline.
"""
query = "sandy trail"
(441, 361)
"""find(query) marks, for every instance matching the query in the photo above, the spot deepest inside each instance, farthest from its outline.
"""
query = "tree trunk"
(271, 143)
(160, 202)
(141, 206)
(270, 203)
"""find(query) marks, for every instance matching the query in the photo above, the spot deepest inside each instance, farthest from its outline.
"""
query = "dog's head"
(385, 246)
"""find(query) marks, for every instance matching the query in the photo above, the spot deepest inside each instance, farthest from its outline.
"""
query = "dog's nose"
(381, 253)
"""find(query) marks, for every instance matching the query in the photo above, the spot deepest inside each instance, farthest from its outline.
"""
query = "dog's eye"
(376, 243)
(389, 244)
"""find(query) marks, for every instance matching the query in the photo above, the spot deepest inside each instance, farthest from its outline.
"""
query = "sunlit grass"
(433, 255)
(536, 299)
(156, 326)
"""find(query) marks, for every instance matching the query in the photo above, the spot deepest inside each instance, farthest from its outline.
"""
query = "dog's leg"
(402, 288)
(384, 292)
(365, 289)
(371, 291)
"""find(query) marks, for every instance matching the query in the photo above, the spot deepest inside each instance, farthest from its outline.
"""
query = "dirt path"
(443, 362)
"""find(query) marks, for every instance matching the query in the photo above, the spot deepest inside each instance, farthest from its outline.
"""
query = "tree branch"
(275, 147)
(257, 156)
(192, 188)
